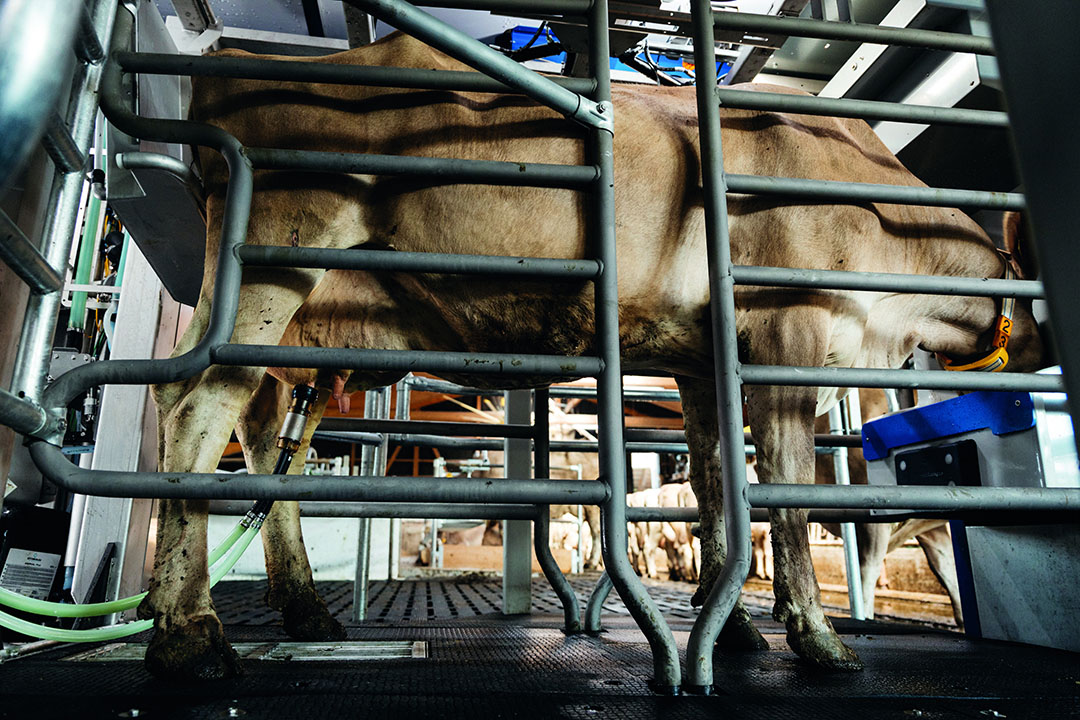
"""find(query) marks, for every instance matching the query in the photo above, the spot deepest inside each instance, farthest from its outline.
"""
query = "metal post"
(517, 551)
(542, 525)
(363, 543)
(596, 604)
(35, 346)
(668, 675)
(841, 472)
(725, 592)
(404, 393)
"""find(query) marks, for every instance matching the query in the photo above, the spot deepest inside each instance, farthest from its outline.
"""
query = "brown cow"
(663, 285)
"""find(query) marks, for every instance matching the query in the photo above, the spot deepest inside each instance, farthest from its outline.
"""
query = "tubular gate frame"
(33, 404)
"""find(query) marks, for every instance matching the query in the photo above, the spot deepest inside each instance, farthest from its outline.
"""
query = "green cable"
(55, 609)
(113, 632)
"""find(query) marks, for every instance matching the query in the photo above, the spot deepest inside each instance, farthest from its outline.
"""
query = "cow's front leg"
(781, 419)
(290, 586)
(194, 420)
(702, 437)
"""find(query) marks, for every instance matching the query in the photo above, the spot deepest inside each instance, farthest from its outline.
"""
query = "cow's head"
(1030, 348)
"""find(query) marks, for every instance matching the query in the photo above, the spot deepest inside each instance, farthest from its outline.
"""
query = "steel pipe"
(165, 163)
(472, 443)
(568, 7)
(425, 384)
(829, 30)
(19, 254)
(865, 109)
(542, 523)
(852, 193)
(886, 282)
(87, 43)
(233, 233)
(460, 46)
(417, 511)
(55, 466)
(440, 170)
(315, 72)
(726, 589)
(913, 497)
(39, 322)
(405, 361)
(871, 377)
(609, 403)
(20, 414)
(61, 147)
(35, 41)
(382, 260)
(457, 429)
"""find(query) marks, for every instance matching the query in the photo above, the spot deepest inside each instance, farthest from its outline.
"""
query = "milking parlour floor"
(439, 648)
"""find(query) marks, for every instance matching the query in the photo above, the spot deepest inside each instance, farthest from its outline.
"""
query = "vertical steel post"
(725, 592)
(595, 605)
(517, 540)
(542, 525)
(856, 605)
(35, 345)
(609, 383)
(369, 466)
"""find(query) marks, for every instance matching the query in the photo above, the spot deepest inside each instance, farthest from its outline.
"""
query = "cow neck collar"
(997, 357)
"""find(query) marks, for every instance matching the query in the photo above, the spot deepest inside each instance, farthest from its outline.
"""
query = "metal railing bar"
(418, 511)
(865, 109)
(359, 259)
(87, 43)
(61, 147)
(19, 254)
(233, 233)
(859, 32)
(471, 443)
(457, 44)
(443, 170)
(431, 427)
(913, 497)
(569, 7)
(405, 361)
(20, 414)
(165, 163)
(315, 72)
(114, 483)
(447, 511)
(424, 384)
(852, 193)
(873, 377)
(886, 282)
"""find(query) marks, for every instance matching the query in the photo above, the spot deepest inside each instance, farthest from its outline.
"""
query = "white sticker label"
(10, 487)
(29, 573)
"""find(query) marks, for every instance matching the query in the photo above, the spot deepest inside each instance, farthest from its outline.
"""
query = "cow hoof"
(824, 650)
(311, 622)
(739, 633)
(193, 652)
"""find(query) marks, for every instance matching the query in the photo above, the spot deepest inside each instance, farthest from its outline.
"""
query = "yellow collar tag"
(998, 358)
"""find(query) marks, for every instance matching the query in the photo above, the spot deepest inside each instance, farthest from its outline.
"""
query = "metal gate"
(37, 411)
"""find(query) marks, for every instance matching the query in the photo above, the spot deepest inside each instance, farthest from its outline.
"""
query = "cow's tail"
(1018, 244)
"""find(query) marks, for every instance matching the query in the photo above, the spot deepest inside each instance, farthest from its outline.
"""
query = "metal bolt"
(1016, 403)
(903, 465)
(948, 458)
(601, 107)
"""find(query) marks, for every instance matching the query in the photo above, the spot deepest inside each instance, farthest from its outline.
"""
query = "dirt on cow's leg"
(290, 585)
(188, 643)
(699, 411)
(782, 422)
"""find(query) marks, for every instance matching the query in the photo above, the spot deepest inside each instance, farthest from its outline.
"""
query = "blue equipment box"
(1012, 578)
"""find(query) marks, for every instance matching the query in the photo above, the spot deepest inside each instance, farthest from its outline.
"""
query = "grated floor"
(481, 664)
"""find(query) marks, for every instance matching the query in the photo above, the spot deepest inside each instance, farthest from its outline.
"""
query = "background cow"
(663, 291)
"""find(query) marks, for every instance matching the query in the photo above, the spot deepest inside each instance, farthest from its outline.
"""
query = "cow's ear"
(1018, 243)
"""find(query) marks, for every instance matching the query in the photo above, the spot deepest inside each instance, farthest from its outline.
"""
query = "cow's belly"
(359, 310)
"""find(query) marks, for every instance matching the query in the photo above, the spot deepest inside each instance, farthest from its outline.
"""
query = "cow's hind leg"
(291, 589)
(195, 419)
(781, 419)
(702, 437)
